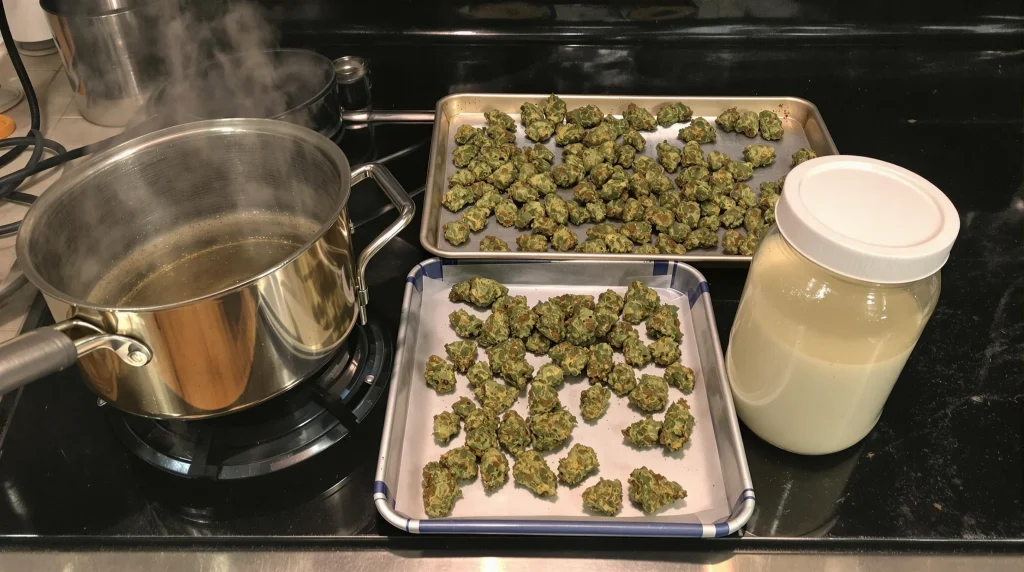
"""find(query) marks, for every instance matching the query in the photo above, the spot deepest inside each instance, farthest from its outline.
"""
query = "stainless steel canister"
(109, 53)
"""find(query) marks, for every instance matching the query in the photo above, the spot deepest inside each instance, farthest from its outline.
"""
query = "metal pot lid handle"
(406, 210)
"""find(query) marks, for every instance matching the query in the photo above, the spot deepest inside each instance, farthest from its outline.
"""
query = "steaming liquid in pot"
(215, 258)
(206, 272)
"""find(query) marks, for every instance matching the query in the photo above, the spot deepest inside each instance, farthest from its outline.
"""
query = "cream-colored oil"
(812, 358)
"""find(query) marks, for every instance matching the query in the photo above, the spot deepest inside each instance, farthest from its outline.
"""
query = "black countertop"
(944, 463)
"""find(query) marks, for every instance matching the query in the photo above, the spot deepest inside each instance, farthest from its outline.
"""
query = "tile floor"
(61, 122)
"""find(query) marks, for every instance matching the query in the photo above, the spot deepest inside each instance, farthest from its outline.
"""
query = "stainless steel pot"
(109, 54)
(297, 86)
(207, 266)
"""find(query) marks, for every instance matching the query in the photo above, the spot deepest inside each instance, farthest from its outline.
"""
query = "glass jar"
(833, 306)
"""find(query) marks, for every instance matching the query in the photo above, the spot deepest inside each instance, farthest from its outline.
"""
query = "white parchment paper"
(696, 467)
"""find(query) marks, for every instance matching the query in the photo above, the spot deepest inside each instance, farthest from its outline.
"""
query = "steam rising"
(221, 64)
(156, 207)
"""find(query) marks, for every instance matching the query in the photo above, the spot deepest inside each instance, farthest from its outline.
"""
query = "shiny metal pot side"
(220, 351)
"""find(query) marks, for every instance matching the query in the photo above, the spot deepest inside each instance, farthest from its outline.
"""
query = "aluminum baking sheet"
(803, 124)
(712, 467)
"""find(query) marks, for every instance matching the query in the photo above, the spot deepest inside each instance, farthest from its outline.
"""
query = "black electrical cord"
(8, 189)
(10, 182)
(26, 84)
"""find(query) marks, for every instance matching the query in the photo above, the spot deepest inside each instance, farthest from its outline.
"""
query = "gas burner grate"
(275, 435)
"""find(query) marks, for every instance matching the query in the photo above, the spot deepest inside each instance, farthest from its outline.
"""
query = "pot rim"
(103, 160)
(151, 101)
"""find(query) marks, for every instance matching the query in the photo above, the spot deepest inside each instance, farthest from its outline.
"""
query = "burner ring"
(284, 431)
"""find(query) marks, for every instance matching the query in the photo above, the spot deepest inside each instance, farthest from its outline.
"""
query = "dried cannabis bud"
(465, 324)
(643, 434)
(577, 465)
(747, 123)
(669, 156)
(587, 116)
(665, 322)
(456, 232)
(554, 109)
(677, 427)
(537, 344)
(664, 351)
(446, 426)
(771, 126)
(650, 393)
(740, 170)
(493, 244)
(550, 321)
(635, 352)
(652, 491)
(462, 353)
(532, 242)
(493, 469)
(440, 375)
(679, 376)
(717, 160)
(513, 433)
(599, 362)
(594, 402)
(495, 397)
(481, 429)
(478, 374)
(801, 155)
(549, 430)
(564, 239)
(732, 239)
(698, 130)
(619, 333)
(674, 113)
(440, 490)
(540, 130)
(495, 329)
(726, 120)
(639, 118)
(517, 373)
(461, 461)
(532, 472)
(549, 374)
(463, 407)
(759, 155)
(543, 398)
(506, 213)
(476, 218)
(641, 302)
(520, 321)
(604, 498)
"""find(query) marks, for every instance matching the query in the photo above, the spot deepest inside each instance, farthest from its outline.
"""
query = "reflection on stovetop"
(272, 436)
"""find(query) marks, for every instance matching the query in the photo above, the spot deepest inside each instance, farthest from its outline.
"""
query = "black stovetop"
(944, 462)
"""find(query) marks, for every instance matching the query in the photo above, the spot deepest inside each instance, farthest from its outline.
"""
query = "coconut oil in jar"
(834, 302)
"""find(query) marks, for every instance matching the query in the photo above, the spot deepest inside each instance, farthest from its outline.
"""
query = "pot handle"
(406, 210)
(41, 352)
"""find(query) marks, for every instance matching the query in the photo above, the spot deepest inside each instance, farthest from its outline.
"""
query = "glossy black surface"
(944, 462)
(275, 435)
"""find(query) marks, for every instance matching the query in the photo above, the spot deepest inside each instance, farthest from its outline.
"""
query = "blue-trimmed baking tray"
(712, 467)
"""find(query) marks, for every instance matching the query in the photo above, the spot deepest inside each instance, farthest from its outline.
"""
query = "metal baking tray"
(803, 124)
(712, 467)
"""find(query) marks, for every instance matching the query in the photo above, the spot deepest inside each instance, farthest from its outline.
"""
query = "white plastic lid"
(867, 219)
